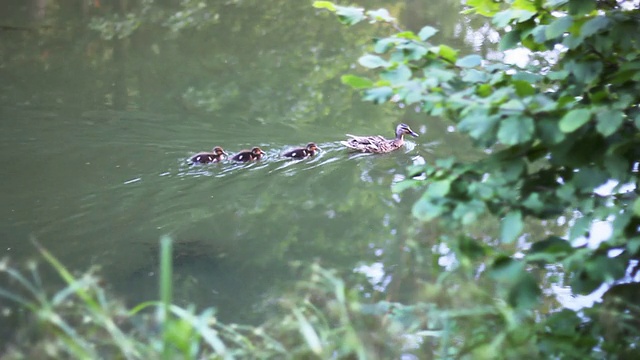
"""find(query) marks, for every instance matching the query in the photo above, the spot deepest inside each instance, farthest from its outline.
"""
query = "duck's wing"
(365, 139)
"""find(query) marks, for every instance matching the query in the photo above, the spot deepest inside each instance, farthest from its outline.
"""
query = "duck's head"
(256, 151)
(312, 148)
(402, 129)
(219, 151)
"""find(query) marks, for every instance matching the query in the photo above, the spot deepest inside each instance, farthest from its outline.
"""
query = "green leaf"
(523, 88)
(475, 76)
(469, 61)
(558, 27)
(407, 35)
(509, 40)
(550, 132)
(549, 249)
(584, 72)
(484, 7)
(511, 226)
(503, 18)
(506, 270)
(580, 227)
(397, 76)
(593, 26)
(373, 61)
(447, 53)
(383, 45)
(479, 126)
(438, 189)
(609, 121)
(378, 95)
(381, 15)
(425, 210)
(427, 32)
(525, 293)
(324, 5)
(636, 207)
(574, 119)
(349, 15)
(356, 82)
(581, 7)
(516, 130)
(526, 5)
(405, 184)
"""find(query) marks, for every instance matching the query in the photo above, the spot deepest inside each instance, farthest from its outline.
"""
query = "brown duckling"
(249, 155)
(301, 153)
(216, 155)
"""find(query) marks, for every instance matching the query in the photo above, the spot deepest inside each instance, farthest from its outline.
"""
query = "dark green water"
(94, 134)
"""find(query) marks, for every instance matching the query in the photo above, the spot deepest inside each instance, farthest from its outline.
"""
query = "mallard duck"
(216, 155)
(377, 143)
(248, 155)
(301, 153)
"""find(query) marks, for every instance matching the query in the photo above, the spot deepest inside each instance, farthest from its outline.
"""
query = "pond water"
(95, 133)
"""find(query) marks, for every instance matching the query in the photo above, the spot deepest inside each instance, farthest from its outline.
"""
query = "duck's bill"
(413, 133)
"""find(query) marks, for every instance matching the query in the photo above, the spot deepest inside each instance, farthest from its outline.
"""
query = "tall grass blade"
(308, 332)
(166, 273)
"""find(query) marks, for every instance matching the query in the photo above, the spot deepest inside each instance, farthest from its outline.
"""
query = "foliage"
(556, 132)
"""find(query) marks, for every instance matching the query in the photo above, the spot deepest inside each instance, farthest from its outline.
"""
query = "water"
(95, 135)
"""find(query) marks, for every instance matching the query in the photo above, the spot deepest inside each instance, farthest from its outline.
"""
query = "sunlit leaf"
(511, 226)
(469, 61)
(381, 15)
(524, 88)
(356, 82)
(349, 15)
(574, 119)
(372, 61)
(447, 53)
(324, 5)
(427, 32)
(484, 7)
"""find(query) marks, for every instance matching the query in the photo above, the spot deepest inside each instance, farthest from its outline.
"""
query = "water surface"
(95, 132)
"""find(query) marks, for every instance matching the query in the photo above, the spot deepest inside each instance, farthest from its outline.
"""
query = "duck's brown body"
(248, 155)
(216, 155)
(377, 143)
(300, 153)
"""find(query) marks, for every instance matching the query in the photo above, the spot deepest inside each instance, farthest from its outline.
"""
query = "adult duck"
(300, 153)
(377, 143)
(216, 155)
(248, 155)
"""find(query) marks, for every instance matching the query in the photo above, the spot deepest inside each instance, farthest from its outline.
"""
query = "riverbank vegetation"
(560, 134)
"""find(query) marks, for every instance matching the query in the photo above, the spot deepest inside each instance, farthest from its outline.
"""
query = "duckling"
(300, 153)
(216, 155)
(377, 143)
(249, 155)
